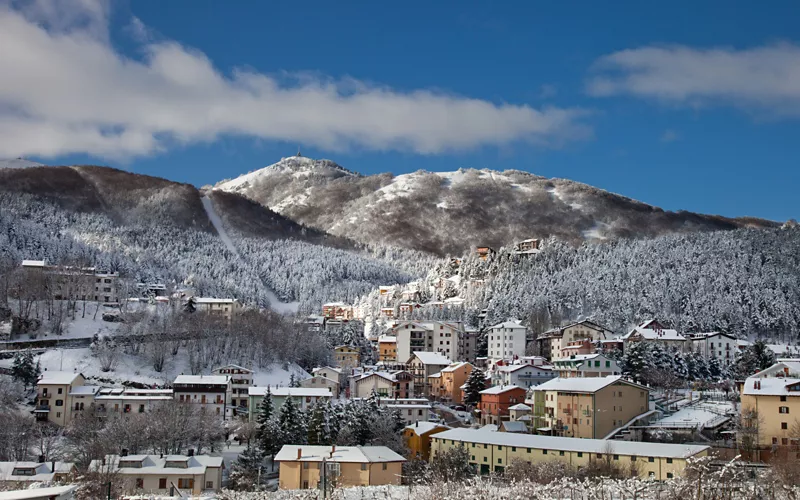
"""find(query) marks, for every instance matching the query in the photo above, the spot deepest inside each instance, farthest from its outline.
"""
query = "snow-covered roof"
(783, 368)
(708, 335)
(342, 454)
(33, 263)
(201, 379)
(455, 366)
(232, 366)
(771, 386)
(157, 464)
(212, 300)
(580, 384)
(742, 343)
(84, 390)
(38, 493)
(385, 375)
(435, 375)
(299, 392)
(499, 389)
(513, 368)
(334, 304)
(43, 471)
(490, 428)
(337, 370)
(387, 338)
(647, 334)
(579, 357)
(508, 324)
(514, 426)
(58, 378)
(603, 446)
(520, 406)
(421, 428)
(432, 358)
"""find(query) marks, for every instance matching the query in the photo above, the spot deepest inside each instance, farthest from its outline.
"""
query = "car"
(460, 408)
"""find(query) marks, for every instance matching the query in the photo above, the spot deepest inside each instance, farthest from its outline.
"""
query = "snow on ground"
(709, 413)
(596, 232)
(19, 163)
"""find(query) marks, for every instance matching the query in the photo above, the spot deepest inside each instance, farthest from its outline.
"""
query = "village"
(413, 394)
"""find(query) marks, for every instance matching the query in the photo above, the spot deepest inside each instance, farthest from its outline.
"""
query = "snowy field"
(706, 414)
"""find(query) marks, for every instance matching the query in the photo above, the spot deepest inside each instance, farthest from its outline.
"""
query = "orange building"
(387, 348)
(453, 377)
(418, 438)
(496, 400)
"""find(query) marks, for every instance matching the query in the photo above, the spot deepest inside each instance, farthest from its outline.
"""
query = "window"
(651, 459)
(384, 466)
(209, 485)
(473, 458)
(305, 485)
(669, 475)
(784, 425)
(363, 466)
(651, 474)
(60, 390)
(499, 448)
(305, 465)
(616, 457)
(633, 459)
(59, 402)
(784, 441)
(187, 483)
(669, 460)
(513, 448)
(544, 452)
(139, 483)
(529, 450)
(484, 459)
(560, 453)
(783, 398)
(580, 454)
(774, 440)
(783, 409)
(162, 483)
(499, 460)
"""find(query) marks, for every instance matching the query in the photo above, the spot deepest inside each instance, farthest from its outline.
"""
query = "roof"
(508, 324)
(422, 428)
(793, 366)
(385, 375)
(156, 464)
(520, 406)
(37, 493)
(33, 263)
(708, 335)
(660, 450)
(44, 471)
(431, 358)
(770, 386)
(337, 370)
(581, 384)
(387, 338)
(514, 426)
(212, 300)
(282, 392)
(84, 390)
(238, 367)
(579, 357)
(202, 379)
(435, 375)
(455, 366)
(558, 330)
(500, 389)
(353, 454)
(58, 378)
(647, 334)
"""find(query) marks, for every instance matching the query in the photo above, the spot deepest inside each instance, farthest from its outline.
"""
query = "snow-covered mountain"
(19, 163)
(450, 212)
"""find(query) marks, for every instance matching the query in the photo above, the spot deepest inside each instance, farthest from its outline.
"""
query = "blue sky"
(678, 105)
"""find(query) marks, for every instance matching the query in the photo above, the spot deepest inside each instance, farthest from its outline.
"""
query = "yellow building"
(61, 396)
(417, 437)
(492, 451)
(588, 407)
(347, 357)
(345, 466)
(387, 348)
(773, 406)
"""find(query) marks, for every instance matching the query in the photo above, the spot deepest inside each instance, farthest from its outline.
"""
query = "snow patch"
(19, 163)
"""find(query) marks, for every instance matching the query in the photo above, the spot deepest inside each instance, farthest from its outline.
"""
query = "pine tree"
(24, 369)
(244, 471)
(476, 382)
(763, 354)
(291, 423)
(317, 423)
(190, 305)
(268, 434)
(636, 362)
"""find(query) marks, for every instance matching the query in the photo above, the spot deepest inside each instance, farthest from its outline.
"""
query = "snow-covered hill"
(19, 163)
(449, 212)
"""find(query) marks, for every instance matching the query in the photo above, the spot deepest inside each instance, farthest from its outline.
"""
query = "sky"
(683, 105)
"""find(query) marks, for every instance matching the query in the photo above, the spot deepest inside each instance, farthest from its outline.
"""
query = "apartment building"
(493, 451)
(655, 332)
(209, 393)
(451, 378)
(303, 397)
(346, 357)
(771, 406)
(154, 474)
(331, 373)
(423, 364)
(521, 375)
(387, 348)
(221, 308)
(551, 342)
(320, 382)
(412, 410)
(588, 407)
(241, 381)
(507, 341)
(715, 345)
(417, 437)
(398, 384)
(58, 393)
(496, 401)
(586, 365)
(78, 283)
(301, 466)
(446, 338)
(117, 401)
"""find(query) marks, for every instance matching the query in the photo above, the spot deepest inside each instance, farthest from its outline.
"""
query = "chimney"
(124, 452)
(299, 453)
(416, 424)
(41, 459)
(53, 466)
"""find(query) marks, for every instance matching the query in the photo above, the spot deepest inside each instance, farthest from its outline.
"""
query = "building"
(320, 382)
(585, 346)
(56, 393)
(314, 323)
(784, 368)
(507, 341)
(772, 405)
(384, 384)
(412, 410)
(551, 342)
(241, 381)
(485, 253)
(519, 412)
(222, 308)
(304, 397)
(451, 379)
(117, 401)
(36, 472)
(468, 344)
(208, 393)
(160, 474)
(715, 345)
(493, 451)
(78, 283)
(346, 357)
(653, 331)
(422, 365)
(513, 426)
(338, 311)
(66, 492)
(590, 407)
(495, 402)
(586, 365)
(417, 437)
(521, 375)
(301, 466)
(331, 373)
(527, 247)
(387, 348)
(447, 338)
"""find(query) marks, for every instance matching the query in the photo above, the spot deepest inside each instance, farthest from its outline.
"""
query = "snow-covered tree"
(24, 369)
(476, 382)
(244, 472)
(292, 423)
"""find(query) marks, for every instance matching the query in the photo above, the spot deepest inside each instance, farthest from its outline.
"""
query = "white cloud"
(763, 79)
(66, 90)
(670, 135)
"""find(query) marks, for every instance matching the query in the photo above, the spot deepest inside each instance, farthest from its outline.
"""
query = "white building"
(507, 341)
(586, 365)
(160, 474)
(522, 375)
(241, 381)
(35, 472)
(652, 331)
(210, 393)
(715, 345)
(118, 401)
(65, 492)
(446, 338)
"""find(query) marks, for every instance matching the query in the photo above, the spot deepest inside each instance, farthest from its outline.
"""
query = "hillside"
(450, 212)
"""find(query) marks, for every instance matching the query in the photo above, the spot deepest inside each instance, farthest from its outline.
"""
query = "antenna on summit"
(299, 155)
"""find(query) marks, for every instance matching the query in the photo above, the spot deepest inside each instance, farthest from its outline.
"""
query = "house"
(445, 337)
(452, 378)
(577, 347)
(387, 348)
(519, 412)
(66, 492)
(485, 253)
(589, 407)
(434, 386)
(784, 368)
(159, 474)
(314, 323)
(241, 380)
(118, 401)
(492, 451)
(521, 375)
(222, 308)
(35, 472)
(337, 311)
(56, 393)
(417, 437)
(412, 410)
(587, 365)
(551, 342)
(301, 466)
(346, 357)
(320, 382)
(652, 331)
(304, 397)
(719, 346)
(507, 340)
(423, 364)
(397, 384)
(78, 283)
(331, 373)
(527, 247)
(770, 406)
(209, 393)
(495, 402)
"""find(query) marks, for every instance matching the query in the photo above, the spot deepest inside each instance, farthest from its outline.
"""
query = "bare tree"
(747, 431)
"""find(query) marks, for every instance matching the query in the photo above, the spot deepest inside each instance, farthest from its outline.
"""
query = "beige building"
(331, 373)
(223, 308)
(154, 474)
(654, 332)
(117, 401)
(301, 466)
(35, 472)
(422, 365)
(241, 381)
(303, 397)
(387, 348)
(61, 395)
(493, 451)
(347, 357)
(588, 407)
(208, 393)
(320, 382)
(551, 342)
(776, 403)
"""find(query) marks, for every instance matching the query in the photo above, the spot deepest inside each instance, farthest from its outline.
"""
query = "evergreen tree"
(245, 470)
(636, 362)
(763, 354)
(318, 434)
(268, 434)
(190, 305)
(476, 382)
(291, 422)
(24, 369)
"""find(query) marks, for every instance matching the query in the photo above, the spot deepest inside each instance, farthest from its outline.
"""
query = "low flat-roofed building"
(157, 474)
(66, 492)
(118, 401)
(493, 451)
(346, 466)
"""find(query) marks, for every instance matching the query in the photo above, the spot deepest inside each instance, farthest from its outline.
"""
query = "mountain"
(451, 212)
(19, 163)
